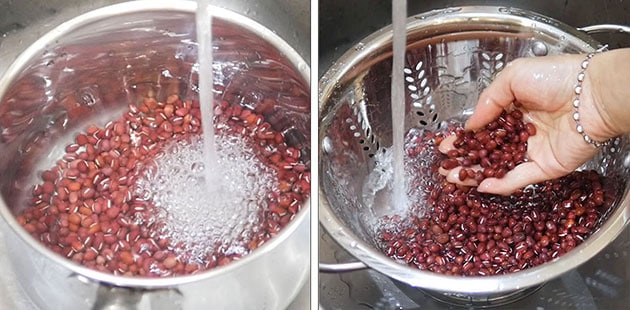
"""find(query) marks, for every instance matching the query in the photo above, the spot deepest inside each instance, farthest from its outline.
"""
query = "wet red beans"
(85, 207)
(456, 230)
(496, 234)
(497, 148)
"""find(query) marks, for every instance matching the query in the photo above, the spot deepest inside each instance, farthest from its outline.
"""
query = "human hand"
(543, 88)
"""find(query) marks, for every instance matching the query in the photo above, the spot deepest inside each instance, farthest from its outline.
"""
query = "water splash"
(197, 220)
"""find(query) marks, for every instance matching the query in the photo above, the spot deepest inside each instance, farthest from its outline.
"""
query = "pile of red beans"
(464, 232)
(86, 209)
(497, 148)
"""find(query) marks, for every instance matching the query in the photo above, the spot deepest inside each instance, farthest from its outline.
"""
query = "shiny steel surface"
(452, 55)
(24, 21)
(603, 282)
(87, 70)
(343, 24)
(605, 28)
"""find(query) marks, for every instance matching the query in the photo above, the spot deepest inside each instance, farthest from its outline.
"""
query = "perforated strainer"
(451, 56)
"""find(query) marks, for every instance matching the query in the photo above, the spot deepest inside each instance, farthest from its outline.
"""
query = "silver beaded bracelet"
(576, 103)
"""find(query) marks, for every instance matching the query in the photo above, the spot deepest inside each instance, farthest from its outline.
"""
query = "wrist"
(596, 118)
(605, 92)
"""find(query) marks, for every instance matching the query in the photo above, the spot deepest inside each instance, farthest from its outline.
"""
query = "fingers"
(521, 176)
(447, 144)
(494, 99)
(452, 176)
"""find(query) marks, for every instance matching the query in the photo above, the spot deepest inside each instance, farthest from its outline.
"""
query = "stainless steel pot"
(87, 70)
(451, 55)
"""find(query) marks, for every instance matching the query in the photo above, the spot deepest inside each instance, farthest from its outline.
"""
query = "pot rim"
(374, 258)
(87, 274)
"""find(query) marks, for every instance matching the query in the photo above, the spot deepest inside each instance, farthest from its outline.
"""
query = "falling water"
(206, 102)
(399, 17)
(208, 190)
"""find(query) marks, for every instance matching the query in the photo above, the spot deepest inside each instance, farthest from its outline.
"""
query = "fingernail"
(483, 187)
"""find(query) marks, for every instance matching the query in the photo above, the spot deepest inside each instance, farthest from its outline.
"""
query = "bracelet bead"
(576, 105)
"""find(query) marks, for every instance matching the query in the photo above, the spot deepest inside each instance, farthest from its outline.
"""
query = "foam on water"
(377, 191)
(420, 176)
(198, 217)
(419, 179)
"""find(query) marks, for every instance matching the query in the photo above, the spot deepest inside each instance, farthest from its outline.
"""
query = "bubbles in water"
(200, 216)
(196, 167)
(86, 97)
(378, 189)
(379, 178)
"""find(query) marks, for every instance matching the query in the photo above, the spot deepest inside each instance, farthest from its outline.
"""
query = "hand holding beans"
(542, 89)
(490, 152)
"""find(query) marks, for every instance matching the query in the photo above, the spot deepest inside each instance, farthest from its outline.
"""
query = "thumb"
(494, 99)
(517, 178)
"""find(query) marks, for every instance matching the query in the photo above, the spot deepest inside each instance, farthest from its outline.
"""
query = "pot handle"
(605, 28)
(115, 298)
(341, 267)
(110, 297)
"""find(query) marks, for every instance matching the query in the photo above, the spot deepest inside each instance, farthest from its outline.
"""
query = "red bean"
(489, 172)
(482, 234)
(517, 114)
(449, 164)
(442, 238)
(531, 129)
(113, 212)
(500, 146)
(84, 208)
(463, 174)
(453, 153)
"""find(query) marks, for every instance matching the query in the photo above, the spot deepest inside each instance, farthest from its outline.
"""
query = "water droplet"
(174, 170)
(197, 167)
(162, 179)
(86, 97)
(327, 145)
(167, 74)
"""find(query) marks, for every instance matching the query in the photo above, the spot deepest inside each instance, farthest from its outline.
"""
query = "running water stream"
(206, 101)
(208, 189)
(399, 17)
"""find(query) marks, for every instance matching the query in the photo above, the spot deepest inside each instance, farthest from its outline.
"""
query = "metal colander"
(451, 56)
